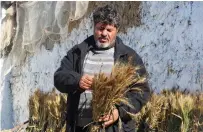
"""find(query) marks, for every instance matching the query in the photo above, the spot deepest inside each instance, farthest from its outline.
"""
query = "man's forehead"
(100, 24)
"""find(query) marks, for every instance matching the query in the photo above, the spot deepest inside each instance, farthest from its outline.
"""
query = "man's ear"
(93, 28)
(118, 30)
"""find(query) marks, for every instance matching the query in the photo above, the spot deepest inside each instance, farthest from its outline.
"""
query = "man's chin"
(103, 45)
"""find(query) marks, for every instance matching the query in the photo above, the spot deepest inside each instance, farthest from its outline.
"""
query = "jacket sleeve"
(66, 80)
(137, 99)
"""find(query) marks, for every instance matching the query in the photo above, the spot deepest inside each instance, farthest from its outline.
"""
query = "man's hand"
(86, 81)
(110, 119)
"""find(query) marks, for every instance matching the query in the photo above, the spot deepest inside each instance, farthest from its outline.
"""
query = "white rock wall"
(170, 42)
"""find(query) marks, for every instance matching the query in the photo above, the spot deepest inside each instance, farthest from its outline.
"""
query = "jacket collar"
(120, 48)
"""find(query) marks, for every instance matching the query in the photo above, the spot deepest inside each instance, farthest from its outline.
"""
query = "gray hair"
(107, 15)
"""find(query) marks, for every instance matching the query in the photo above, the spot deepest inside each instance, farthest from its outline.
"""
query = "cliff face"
(168, 37)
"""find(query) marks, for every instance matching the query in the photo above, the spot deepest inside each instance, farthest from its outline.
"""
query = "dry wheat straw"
(109, 91)
(47, 112)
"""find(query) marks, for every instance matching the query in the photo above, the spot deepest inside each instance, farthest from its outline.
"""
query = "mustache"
(103, 37)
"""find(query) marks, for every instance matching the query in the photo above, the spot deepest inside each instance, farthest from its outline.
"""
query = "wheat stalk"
(47, 112)
(109, 91)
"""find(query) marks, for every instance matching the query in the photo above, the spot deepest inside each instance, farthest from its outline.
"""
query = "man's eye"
(109, 30)
(101, 28)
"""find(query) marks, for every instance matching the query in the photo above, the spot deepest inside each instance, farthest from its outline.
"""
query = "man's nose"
(104, 33)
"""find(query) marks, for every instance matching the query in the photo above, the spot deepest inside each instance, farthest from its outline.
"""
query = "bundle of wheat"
(109, 91)
(47, 112)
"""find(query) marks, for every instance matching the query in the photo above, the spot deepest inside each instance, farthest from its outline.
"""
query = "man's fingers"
(84, 85)
(107, 118)
(84, 82)
(89, 78)
(109, 122)
(111, 118)
(87, 81)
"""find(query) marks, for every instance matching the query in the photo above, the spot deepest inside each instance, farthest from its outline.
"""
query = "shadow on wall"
(6, 104)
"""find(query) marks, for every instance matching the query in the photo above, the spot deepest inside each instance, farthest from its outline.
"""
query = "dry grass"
(47, 112)
(109, 91)
(169, 111)
(172, 111)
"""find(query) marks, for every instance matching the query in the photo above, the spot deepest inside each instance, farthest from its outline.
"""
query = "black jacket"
(66, 80)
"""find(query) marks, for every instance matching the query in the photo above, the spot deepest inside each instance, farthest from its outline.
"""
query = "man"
(98, 53)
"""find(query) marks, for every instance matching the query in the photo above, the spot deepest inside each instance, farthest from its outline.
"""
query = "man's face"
(104, 34)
